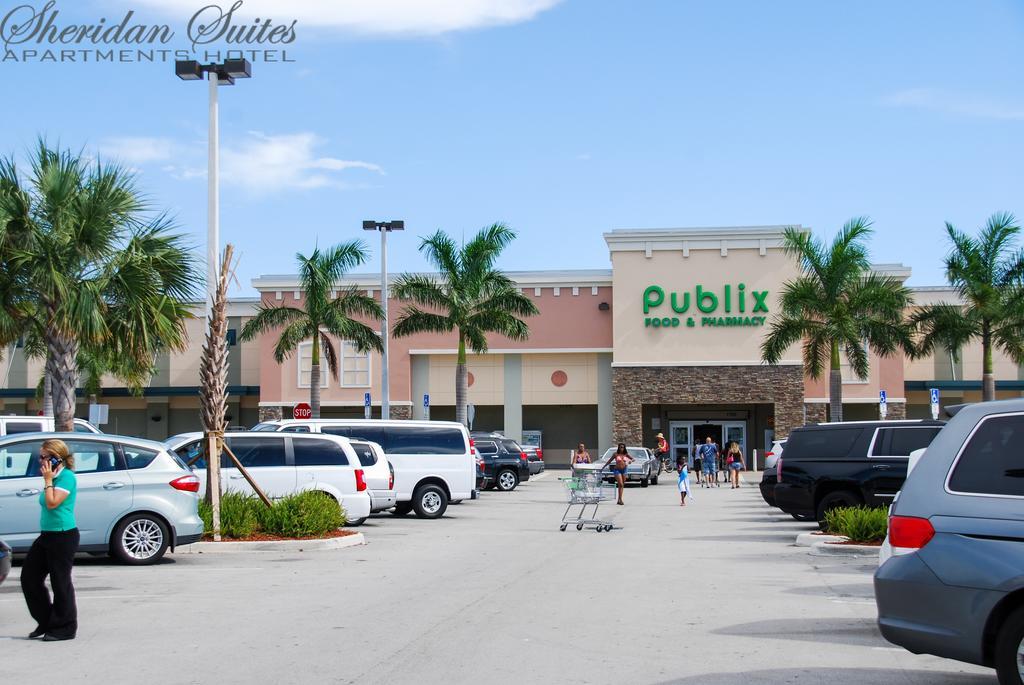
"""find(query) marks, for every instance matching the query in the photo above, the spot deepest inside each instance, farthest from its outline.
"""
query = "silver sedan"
(644, 468)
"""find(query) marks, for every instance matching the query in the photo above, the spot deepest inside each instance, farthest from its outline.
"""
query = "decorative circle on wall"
(559, 378)
(469, 379)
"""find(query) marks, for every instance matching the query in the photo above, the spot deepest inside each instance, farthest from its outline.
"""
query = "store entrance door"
(680, 441)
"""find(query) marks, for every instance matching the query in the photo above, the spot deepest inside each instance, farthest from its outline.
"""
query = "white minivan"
(282, 465)
(433, 460)
(11, 425)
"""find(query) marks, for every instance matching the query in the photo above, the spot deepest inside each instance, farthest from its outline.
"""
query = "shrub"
(860, 524)
(303, 514)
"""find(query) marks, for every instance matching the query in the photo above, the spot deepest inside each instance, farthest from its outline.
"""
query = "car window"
(821, 444)
(20, 460)
(318, 453)
(190, 451)
(256, 452)
(93, 456)
(511, 446)
(991, 460)
(265, 427)
(423, 440)
(486, 446)
(295, 429)
(900, 442)
(368, 432)
(80, 427)
(14, 427)
(367, 457)
(138, 457)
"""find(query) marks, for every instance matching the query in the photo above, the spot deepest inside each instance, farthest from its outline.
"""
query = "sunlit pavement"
(713, 593)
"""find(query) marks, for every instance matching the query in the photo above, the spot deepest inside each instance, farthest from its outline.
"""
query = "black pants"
(52, 554)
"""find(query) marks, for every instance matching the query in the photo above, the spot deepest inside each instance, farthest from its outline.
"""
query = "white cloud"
(423, 17)
(960, 104)
(136, 150)
(282, 162)
(257, 163)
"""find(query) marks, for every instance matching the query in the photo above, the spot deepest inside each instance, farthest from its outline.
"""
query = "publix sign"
(730, 306)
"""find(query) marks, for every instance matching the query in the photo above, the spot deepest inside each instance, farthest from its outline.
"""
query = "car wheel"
(1009, 653)
(645, 482)
(834, 500)
(430, 501)
(402, 509)
(654, 481)
(139, 540)
(507, 480)
(802, 517)
(357, 522)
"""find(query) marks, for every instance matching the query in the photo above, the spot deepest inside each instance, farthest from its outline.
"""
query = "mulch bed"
(870, 543)
(264, 537)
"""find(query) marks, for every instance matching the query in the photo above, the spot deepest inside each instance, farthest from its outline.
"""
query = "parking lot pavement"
(713, 593)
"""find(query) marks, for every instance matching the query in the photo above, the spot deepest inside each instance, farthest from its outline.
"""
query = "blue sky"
(565, 119)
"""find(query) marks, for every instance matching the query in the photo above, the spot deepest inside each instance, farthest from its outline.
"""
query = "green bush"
(860, 524)
(304, 514)
(301, 515)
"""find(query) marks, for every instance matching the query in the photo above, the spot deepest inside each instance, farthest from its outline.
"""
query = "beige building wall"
(541, 372)
(488, 372)
(712, 266)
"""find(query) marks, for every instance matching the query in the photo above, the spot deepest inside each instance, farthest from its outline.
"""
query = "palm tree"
(322, 314)
(988, 274)
(89, 268)
(838, 307)
(468, 296)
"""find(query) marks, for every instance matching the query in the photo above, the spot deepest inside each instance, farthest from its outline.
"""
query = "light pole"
(223, 74)
(384, 227)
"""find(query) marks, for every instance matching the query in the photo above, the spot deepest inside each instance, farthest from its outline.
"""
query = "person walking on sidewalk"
(734, 462)
(698, 464)
(622, 460)
(709, 461)
(53, 552)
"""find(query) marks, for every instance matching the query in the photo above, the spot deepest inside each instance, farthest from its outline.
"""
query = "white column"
(213, 200)
(385, 390)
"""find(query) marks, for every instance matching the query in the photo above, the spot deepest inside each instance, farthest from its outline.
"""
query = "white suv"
(433, 460)
(286, 464)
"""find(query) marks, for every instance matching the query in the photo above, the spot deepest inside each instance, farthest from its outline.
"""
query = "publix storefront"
(690, 308)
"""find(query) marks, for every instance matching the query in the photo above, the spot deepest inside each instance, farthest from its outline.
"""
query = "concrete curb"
(811, 539)
(273, 545)
(824, 549)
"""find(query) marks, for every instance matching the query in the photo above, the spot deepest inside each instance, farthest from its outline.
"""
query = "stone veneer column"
(816, 412)
(271, 414)
(897, 411)
(400, 412)
(633, 387)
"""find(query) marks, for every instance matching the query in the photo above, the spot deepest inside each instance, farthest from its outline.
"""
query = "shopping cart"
(583, 491)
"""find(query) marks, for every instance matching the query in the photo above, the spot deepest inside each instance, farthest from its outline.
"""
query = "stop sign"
(302, 411)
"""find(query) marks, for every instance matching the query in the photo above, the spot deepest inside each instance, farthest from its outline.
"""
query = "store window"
(355, 366)
(306, 365)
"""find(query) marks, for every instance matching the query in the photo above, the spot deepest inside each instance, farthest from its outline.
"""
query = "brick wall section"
(633, 387)
(817, 412)
(896, 411)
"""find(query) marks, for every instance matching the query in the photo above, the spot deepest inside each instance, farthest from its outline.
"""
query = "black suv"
(502, 462)
(831, 465)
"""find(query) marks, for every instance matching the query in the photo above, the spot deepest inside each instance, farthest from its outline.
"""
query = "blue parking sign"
(366, 399)
(426, 400)
(935, 395)
(881, 396)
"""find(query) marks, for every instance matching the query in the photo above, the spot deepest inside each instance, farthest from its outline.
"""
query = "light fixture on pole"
(384, 227)
(223, 74)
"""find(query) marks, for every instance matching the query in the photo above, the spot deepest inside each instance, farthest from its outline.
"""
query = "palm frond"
(414, 320)
(269, 318)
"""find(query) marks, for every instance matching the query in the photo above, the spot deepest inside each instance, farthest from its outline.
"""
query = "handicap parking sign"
(935, 395)
(881, 396)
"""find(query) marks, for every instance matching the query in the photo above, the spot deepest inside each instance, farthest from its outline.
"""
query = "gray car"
(135, 499)
(954, 585)
(5, 561)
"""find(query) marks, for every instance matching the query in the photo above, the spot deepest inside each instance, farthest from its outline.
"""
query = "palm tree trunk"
(988, 379)
(461, 385)
(47, 392)
(61, 353)
(835, 386)
(314, 378)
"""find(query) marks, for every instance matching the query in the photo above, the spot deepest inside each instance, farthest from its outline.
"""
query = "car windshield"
(265, 427)
(635, 452)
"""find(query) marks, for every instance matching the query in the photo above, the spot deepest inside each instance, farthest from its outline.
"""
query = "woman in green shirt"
(53, 552)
